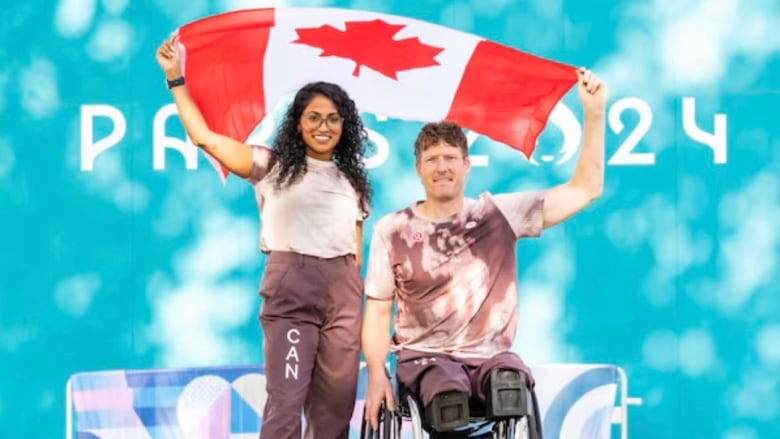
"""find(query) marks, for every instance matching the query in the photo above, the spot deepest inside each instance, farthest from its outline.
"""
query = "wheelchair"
(478, 425)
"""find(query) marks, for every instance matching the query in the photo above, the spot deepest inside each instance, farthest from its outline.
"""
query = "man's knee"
(506, 394)
(448, 410)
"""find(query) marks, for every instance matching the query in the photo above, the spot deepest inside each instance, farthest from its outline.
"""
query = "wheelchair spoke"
(500, 429)
(387, 424)
(522, 429)
(511, 428)
(417, 429)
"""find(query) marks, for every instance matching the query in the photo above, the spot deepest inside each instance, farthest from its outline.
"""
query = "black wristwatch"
(175, 82)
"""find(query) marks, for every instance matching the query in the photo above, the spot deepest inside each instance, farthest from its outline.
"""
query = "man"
(449, 264)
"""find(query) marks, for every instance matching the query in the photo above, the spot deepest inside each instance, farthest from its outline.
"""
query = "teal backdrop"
(119, 252)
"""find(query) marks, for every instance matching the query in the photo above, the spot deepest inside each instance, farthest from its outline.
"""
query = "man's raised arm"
(587, 183)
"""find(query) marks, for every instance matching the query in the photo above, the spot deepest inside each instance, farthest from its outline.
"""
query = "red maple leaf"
(371, 44)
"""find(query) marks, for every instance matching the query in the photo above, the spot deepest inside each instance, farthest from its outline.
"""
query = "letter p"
(90, 149)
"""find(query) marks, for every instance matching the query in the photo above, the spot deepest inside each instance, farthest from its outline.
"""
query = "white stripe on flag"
(424, 93)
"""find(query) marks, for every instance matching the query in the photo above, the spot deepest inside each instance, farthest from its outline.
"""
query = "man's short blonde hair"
(433, 132)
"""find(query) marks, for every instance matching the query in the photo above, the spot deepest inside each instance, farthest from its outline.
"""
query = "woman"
(315, 196)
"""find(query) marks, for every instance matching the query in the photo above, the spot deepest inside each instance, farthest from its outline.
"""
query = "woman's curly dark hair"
(289, 151)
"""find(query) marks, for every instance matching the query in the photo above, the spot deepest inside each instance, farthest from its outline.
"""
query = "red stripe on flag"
(224, 68)
(508, 95)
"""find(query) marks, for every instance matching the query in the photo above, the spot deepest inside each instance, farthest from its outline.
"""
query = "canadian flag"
(239, 65)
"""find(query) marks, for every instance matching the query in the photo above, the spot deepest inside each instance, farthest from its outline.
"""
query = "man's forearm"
(589, 173)
(375, 335)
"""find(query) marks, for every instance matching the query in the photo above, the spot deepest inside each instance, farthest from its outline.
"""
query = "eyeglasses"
(313, 121)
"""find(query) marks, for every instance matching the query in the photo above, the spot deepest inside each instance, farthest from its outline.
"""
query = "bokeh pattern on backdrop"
(121, 248)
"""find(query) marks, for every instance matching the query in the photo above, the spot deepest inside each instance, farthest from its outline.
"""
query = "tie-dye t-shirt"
(454, 280)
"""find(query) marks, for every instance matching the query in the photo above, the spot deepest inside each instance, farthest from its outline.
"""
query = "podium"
(576, 401)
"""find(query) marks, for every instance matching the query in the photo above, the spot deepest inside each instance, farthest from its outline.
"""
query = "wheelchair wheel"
(520, 428)
(414, 414)
(512, 429)
(389, 426)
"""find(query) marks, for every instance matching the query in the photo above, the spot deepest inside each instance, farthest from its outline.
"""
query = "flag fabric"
(239, 64)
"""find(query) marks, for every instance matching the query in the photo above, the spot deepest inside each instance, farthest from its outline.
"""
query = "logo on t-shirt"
(424, 361)
(417, 236)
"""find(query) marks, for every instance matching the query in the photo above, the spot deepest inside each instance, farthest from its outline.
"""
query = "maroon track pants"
(311, 317)
(427, 375)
